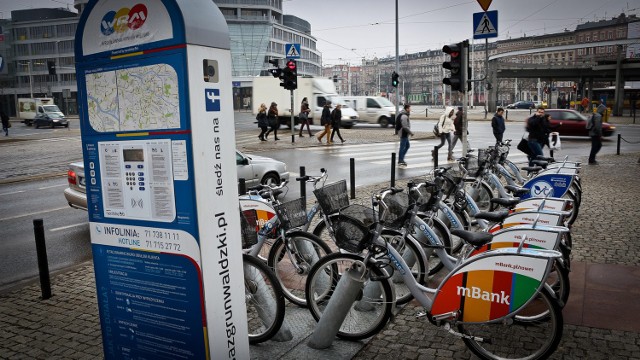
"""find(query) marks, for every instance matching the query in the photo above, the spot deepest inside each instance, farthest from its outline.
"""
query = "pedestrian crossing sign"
(292, 51)
(485, 24)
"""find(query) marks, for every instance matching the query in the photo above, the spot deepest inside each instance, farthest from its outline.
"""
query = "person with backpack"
(403, 130)
(594, 125)
(336, 122)
(445, 129)
(325, 120)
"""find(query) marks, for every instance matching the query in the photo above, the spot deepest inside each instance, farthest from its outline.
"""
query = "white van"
(28, 108)
(373, 109)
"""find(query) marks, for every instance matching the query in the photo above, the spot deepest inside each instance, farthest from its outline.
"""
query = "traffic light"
(51, 66)
(455, 66)
(290, 75)
(394, 79)
(277, 72)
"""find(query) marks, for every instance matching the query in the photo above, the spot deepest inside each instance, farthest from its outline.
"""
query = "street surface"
(39, 158)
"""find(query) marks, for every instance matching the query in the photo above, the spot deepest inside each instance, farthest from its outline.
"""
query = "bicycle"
(482, 300)
(264, 297)
(292, 251)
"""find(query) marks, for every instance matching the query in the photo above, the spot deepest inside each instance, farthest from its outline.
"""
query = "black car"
(522, 105)
(50, 120)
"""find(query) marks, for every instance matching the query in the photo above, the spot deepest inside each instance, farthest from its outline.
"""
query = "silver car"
(254, 169)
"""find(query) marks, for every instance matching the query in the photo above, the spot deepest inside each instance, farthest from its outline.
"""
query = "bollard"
(343, 296)
(618, 150)
(530, 111)
(303, 187)
(426, 112)
(393, 169)
(435, 157)
(352, 177)
(242, 187)
(43, 263)
(506, 115)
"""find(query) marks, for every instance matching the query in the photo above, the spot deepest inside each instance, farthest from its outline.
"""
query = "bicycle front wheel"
(481, 193)
(264, 300)
(291, 261)
(509, 339)
(372, 308)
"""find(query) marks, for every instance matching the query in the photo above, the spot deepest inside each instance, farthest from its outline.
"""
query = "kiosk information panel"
(154, 84)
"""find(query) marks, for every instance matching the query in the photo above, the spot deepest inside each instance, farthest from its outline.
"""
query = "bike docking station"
(157, 125)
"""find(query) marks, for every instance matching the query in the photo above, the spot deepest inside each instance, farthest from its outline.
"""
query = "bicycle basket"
(351, 228)
(394, 210)
(423, 195)
(248, 220)
(292, 213)
(332, 197)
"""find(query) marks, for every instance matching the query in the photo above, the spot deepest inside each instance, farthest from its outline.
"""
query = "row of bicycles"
(484, 247)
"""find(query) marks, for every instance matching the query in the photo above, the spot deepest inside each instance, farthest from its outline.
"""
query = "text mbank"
(477, 293)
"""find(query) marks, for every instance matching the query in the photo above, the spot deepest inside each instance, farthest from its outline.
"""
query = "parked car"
(254, 169)
(522, 105)
(574, 123)
(50, 120)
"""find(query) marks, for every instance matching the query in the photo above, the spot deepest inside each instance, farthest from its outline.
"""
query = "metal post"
(465, 87)
(393, 169)
(293, 130)
(303, 186)
(242, 186)
(618, 148)
(345, 294)
(397, 60)
(352, 177)
(43, 263)
(435, 157)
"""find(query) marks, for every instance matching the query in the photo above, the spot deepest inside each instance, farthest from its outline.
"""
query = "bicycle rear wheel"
(481, 193)
(291, 261)
(263, 298)
(509, 339)
(366, 316)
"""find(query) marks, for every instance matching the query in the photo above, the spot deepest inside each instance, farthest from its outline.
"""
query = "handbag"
(523, 145)
(436, 132)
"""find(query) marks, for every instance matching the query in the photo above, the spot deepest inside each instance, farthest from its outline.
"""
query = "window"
(371, 103)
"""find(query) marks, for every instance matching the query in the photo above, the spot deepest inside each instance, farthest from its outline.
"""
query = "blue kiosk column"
(156, 114)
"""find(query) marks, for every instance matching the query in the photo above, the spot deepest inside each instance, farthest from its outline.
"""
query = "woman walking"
(262, 121)
(272, 117)
(304, 117)
(336, 122)
(446, 128)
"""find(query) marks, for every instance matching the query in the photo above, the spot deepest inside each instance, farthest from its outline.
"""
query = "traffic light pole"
(293, 130)
(465, 80)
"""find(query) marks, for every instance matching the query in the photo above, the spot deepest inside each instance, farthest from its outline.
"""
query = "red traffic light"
(291, 64)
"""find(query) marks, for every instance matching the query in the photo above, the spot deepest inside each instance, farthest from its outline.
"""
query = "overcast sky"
(348, 30)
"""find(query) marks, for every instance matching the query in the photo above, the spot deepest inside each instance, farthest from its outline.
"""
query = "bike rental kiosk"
(154, 85)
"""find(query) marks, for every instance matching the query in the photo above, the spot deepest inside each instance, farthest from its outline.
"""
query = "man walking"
(536, 126)
(497, 123)
(325, 120)
(595, 132)
(404, 133)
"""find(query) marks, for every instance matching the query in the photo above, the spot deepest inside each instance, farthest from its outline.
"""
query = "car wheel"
(36, 125)
(270, 179)
(52, 125)
(66, 125)
(384, 122)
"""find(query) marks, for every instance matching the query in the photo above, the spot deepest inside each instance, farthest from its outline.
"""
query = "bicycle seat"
(515, 190)
(477, 239)
(495, 216)
(506, 202)
(531, 168)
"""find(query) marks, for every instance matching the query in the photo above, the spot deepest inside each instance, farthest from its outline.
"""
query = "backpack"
(589, 124)
(398, 123)
(436, 130)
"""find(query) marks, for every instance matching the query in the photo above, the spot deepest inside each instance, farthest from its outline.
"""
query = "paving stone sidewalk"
(602, 318)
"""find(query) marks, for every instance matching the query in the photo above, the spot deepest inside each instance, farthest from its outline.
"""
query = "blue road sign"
(485, 24)
(292, 51)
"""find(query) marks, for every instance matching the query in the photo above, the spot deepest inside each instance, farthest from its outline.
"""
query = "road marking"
(52, 186)
(13, 192)
(34, 213)
(68, 226)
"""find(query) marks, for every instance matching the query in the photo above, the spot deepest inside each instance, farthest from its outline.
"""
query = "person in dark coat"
(336, 122)
(5, 122)
(536, 126)
(325, 120)
(457, 123)
(498, 126)
(263, 124)
(272, 118)
(595, 132)
(304, 117)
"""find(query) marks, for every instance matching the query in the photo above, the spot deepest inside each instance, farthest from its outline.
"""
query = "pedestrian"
(536, 126)
(304, 117)
(272, 118)
(5, 122)
(457, 123)
(585, 104)
(595, 132)
(446, 129)
(336, 122)
(404, 133)
(325, 120)
(498, 126)
(263, 123)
